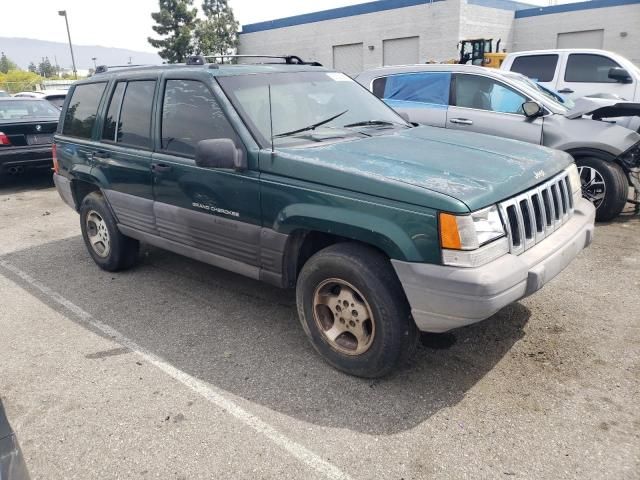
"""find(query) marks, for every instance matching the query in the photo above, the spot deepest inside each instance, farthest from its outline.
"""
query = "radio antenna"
(270, 118)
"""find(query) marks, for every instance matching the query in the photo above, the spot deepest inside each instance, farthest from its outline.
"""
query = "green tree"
(175, 22)
(45, 68)
(32, 68)
(218, 32)
(6, 64)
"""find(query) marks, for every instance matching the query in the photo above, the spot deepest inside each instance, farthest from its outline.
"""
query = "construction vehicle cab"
(480, 52)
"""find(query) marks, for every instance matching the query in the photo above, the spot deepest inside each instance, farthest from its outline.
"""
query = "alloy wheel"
(343, 316)
(593, 187)
(98, 234)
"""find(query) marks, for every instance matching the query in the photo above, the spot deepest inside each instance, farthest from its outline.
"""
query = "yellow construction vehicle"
(480, 52)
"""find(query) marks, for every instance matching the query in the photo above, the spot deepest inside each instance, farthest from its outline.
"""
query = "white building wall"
(437, 24)
(533, 33)
(484, 22)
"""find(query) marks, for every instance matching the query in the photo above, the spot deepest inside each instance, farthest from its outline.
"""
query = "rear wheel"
(604, 184)
(109, 248)
(353, 310)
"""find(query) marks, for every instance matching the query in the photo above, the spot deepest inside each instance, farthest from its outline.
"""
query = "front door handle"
(565, 90)
(160, 167)
(461, 121)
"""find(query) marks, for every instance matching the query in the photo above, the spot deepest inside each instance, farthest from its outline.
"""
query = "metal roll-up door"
(583, 39)
(348, 58)
(401, 51)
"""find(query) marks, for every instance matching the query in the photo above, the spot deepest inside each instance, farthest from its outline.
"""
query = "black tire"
(616, 185)
(122, 252)
(374, 281)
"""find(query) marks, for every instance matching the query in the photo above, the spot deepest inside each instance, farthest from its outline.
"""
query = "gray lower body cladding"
(244, 248)
(443, 298)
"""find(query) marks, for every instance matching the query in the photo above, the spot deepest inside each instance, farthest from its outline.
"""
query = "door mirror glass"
(220, 153)
(619, 75)
(531, 109)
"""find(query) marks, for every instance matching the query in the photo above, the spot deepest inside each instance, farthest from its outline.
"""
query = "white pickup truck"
(575, 73)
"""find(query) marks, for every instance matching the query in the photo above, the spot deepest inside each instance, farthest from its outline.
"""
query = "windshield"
(562, 104)
(308, 108)
(25, 109)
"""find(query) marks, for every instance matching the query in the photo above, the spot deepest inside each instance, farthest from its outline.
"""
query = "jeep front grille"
(535, 214)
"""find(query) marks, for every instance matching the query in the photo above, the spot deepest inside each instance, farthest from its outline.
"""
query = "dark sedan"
(27, 126)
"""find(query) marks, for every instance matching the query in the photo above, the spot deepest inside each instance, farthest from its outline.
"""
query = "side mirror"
(619, 75)
(220, 153)
(404, 116)
(532, 109)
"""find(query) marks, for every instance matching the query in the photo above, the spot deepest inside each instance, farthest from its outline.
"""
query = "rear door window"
(191, 113)
(128, 119)
(589, 68)
(541, 68)
(111, 120)
(134, 126)
(82, 111)
(423, 87)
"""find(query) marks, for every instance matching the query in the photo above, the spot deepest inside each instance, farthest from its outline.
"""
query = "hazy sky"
(127, 23)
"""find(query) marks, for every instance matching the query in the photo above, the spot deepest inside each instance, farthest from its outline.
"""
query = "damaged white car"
(508, 104)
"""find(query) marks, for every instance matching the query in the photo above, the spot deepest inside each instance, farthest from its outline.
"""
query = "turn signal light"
(54, 155)
(449, 235)
(4, 139)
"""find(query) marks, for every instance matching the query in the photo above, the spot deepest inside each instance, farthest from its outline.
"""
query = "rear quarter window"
(426, 87)
(541, 68)
(80, 116)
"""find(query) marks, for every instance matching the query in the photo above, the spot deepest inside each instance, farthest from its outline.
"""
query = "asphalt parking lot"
(176, 369)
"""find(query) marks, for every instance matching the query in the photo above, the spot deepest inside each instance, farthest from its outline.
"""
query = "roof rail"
(288, 59)
(106, 68)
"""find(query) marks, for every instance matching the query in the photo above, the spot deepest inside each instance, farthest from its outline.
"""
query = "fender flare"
(379, 232)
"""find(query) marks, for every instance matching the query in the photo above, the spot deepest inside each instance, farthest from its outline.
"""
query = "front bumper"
(25, 157)
(443, 298)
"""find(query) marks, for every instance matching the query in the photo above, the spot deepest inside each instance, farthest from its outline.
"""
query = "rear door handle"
(461, 121)
(101, 155)
(565, 90)
(160, 167)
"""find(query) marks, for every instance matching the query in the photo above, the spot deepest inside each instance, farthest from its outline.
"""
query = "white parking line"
(212, 394)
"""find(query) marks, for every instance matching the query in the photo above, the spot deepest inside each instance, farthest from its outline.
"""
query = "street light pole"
(94, 62)
(63, 13)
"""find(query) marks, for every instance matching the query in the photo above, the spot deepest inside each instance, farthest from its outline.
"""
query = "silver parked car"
(508, 104)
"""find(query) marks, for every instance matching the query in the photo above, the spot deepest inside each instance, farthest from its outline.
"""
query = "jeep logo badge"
(539, 174)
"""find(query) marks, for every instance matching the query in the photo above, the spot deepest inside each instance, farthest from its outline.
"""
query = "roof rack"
(288, 59)
(106, 68)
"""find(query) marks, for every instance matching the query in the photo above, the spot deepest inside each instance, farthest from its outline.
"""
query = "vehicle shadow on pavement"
(29, 181)
(244, 337)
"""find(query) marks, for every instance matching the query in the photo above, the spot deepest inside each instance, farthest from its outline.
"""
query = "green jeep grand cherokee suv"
(298, 176)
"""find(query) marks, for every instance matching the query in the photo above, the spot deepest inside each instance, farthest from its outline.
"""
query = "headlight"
(470, 240)
(575, 182)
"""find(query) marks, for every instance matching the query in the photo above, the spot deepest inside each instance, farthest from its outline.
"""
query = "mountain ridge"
(22, 51)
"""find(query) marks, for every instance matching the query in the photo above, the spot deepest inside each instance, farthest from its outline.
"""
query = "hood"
(432, 167)
(600, 108)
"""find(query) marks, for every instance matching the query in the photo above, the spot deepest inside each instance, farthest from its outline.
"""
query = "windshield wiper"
(310, 127)
(367, 123)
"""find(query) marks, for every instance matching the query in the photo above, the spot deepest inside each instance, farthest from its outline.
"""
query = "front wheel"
(352, 308)
(605, 185)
